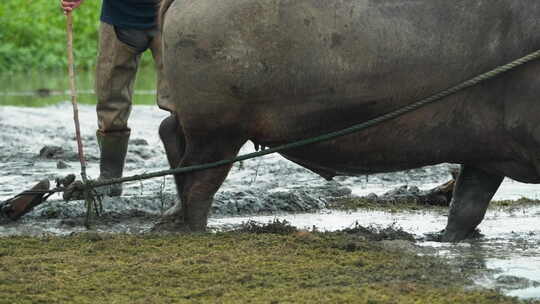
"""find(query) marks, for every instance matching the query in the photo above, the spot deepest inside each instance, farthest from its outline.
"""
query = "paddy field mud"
(506, 255)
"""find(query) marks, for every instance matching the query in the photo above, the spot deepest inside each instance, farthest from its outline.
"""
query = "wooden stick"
(82, 159)
(73, 88)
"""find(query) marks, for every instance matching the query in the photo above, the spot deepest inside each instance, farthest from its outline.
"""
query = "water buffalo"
(276, 71)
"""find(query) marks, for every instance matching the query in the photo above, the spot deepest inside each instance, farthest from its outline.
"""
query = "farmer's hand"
(69, 5)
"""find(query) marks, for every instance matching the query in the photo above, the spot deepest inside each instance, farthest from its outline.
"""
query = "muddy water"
(507, 256)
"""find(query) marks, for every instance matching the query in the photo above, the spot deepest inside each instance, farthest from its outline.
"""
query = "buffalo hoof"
(20, 205)
(451, 236)
(170, 225)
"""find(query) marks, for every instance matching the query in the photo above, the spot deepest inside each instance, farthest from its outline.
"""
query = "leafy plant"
(33, 35)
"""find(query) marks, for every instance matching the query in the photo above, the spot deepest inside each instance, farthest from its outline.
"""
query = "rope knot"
(76, 191)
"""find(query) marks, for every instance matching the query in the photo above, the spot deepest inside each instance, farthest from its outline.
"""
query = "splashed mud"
(507, 254)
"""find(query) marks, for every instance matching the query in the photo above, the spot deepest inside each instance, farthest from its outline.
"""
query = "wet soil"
(38, 143)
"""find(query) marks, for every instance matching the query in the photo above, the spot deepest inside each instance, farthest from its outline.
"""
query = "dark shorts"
(139, 40)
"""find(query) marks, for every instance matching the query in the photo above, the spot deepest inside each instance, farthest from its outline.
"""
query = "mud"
(259, 190)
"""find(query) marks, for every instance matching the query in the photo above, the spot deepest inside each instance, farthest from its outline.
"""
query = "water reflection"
(38, 88)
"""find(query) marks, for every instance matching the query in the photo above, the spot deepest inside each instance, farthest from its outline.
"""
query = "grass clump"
(378, 233)
(404, 204)
(523, 201)
(276, 227)
(227, 267)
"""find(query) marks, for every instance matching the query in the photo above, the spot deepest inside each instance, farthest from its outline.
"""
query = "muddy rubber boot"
(113, 149)
(23, 203)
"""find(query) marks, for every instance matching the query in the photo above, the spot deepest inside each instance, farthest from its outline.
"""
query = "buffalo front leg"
(472, 193)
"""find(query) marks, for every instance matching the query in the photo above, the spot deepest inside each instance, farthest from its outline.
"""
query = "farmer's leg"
(115, 75)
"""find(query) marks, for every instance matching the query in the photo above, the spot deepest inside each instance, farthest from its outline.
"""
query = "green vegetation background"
(33, 35)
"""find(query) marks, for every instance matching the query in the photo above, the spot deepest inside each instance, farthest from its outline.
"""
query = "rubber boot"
(113, 147)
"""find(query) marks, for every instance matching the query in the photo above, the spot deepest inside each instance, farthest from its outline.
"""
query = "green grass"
(299, 267)
(33, 35)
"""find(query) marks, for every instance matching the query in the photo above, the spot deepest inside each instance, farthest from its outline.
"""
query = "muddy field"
(507, 256)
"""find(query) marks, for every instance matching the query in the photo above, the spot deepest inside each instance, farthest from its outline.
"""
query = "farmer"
(128, 28)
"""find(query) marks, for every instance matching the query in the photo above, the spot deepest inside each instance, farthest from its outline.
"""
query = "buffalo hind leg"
(196, 189)
(173, 140)
(472, 193)
(172, 136)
